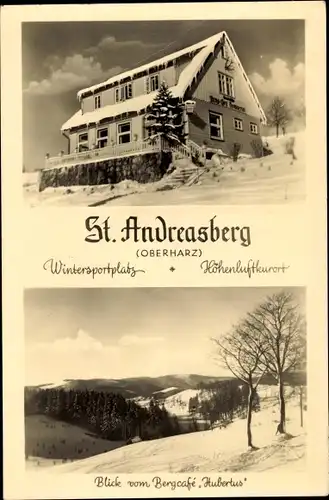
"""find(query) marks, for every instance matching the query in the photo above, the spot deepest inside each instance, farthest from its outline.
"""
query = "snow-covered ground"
(30, 178)
(178, 404)
(168, 389)
(50, 442)
(272, 179)
(52, 385)
(223, 450)
(218, 450)
(175, 404)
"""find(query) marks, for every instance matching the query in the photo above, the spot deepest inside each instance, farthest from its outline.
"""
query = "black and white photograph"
(132, 380)
(141, 113)
(151, 351)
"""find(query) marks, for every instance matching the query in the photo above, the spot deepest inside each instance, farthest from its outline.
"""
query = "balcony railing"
(131, 148)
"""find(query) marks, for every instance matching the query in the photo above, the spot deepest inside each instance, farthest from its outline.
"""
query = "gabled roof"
(162, 60)
(201, 51)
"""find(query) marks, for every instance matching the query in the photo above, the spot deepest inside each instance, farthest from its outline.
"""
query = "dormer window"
(152, 83)
(226, 86)
(123, 92)
(97, 101)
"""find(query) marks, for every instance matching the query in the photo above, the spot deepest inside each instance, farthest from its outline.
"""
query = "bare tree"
(241, 352)
(282, 333)
(278, 115)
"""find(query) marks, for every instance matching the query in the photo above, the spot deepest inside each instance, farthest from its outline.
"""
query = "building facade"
(226, 110)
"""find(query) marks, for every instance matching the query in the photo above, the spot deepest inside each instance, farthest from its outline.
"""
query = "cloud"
(282, 81)
(72, 73)
(134, 340)
(132, 355)
(110, 43)
(82, 342)
(81, 356)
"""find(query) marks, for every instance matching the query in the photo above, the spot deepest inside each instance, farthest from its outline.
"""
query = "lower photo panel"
(129, 380)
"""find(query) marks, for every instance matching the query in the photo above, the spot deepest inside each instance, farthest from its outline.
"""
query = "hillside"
(221, 450)
(136, 386)
(55, 441)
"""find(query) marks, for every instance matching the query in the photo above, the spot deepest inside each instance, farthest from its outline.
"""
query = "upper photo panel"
(163, 113)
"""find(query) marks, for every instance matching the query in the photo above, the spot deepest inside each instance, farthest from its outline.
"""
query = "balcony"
(106, 153)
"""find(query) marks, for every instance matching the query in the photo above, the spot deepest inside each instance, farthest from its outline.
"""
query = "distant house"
(221, 106)
(135, 439)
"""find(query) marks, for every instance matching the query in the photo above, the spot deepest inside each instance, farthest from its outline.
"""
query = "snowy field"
(49, 442)
(272, 179)
(223, 450)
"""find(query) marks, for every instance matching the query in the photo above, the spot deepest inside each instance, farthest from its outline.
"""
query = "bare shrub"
(235, 150)
(289, 147)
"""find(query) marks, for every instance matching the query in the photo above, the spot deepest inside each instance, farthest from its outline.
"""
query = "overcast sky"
(61, 58)
(116, 333)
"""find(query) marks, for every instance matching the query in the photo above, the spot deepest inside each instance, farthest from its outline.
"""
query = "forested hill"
(108, 415)
(137, 386)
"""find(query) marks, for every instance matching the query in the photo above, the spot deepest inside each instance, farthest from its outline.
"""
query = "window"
(226, 86)
(102, 137)
(124, 92)
(222, 83)
(97, 101)
(216, 126)
(253, 128)
(238, 124)
(152, 83)
(83, 141)
(124, 132)
(223, 52)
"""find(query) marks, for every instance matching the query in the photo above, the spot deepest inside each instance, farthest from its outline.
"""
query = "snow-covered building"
(221, 106)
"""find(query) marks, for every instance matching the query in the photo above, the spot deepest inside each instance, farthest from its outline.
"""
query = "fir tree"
(77, 410)
(105, 422)
(167, 116)
(115, 422)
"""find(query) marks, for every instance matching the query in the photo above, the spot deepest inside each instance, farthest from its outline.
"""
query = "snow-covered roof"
(135, 104)
(141, 102)
(157, 62)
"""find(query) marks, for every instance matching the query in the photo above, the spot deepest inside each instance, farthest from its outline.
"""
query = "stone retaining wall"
(144, 168)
